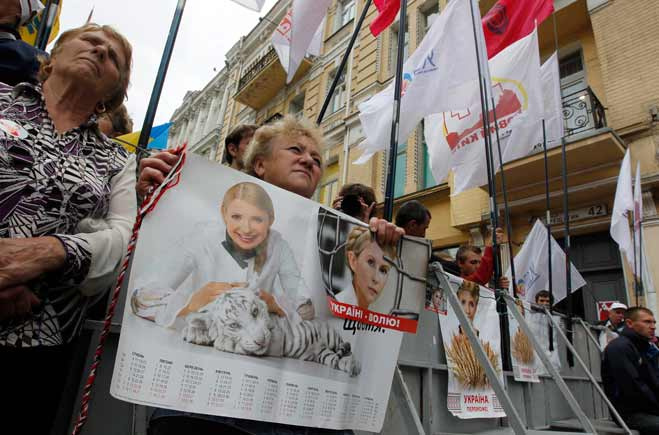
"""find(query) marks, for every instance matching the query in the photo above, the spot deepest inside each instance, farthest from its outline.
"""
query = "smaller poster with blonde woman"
(522, 354)
(377, 286)
(470, 394)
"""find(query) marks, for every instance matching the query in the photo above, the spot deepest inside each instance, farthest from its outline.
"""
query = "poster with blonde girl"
(227, 311)
(367, 282)
(470, 394)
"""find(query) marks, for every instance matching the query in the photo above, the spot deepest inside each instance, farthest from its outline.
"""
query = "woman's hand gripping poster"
(230, 301)
(470, 393)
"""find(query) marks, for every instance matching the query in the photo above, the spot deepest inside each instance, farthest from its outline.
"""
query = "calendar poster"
(228, 308)
(470, 393)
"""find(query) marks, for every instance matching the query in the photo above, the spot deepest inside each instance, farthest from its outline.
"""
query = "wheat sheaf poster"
(470, 393)
(229, 307)
(523, 356)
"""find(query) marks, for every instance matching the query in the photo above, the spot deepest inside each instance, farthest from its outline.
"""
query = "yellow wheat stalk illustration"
(465, 366)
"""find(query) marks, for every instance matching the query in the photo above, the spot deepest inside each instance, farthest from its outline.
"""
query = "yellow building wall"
(625, 33)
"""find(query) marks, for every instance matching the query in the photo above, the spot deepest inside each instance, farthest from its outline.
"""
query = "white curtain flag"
(441, 74)
(623, 204)
(281, 42)
(255, 5)
(459, 137)
(551, 92)
(532, 270)
(638, 219)
(299, 32)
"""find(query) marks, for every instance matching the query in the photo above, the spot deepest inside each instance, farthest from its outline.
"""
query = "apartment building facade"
(610, 90)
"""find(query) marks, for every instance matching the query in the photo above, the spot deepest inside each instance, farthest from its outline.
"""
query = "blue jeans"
(169, 422)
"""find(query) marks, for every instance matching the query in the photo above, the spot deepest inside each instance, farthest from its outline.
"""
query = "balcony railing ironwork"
(256, 67)
(582, 111)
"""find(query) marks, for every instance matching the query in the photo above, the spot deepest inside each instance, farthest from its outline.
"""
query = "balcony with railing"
(593, 153)
(262, 80)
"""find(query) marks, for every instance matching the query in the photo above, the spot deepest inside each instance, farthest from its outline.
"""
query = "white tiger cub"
(238, 321)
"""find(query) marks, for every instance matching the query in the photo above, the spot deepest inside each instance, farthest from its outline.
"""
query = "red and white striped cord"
(147, 206)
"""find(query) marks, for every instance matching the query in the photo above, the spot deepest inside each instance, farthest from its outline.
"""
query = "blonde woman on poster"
(368, 267)
(470, 393)
(244, 253)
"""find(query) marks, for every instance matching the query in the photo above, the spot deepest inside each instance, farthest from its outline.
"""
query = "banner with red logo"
(456, 139)
(511, 20)
(470, 394)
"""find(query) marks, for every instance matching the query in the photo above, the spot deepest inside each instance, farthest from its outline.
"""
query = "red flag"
(511, 20)
(388, 9)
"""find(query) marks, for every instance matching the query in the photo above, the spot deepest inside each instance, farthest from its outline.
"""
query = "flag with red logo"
(441, 74)
(511, 20)
(456, 139)
(387, 11)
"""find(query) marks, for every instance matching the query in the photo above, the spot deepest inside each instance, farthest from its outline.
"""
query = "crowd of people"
(68, 202)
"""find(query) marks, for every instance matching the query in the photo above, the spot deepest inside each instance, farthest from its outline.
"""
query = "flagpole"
(160, 77)
(393, 150)
(640, 253)
(635, 273)
(46, 27)
(491, 187)
(548, 219)
(343, 63)
(509, 227)
(567, 247)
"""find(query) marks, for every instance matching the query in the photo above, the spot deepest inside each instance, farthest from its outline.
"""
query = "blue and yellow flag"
(157, 139)
(29, 31)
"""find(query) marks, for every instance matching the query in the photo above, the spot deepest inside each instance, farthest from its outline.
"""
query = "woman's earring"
(100, 107)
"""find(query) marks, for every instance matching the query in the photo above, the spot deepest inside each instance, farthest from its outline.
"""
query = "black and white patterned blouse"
(77, 186)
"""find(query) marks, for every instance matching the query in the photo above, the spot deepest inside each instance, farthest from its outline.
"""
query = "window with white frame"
(428, 16)
(339, 96)
(345, 13)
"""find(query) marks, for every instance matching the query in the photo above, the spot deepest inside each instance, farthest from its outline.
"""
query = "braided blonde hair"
(359, 237)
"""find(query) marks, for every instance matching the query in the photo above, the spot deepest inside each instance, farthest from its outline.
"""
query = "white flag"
(638, 219)
(532, 267)
(459, 137)
(281, 42)
(299, 32)
(255, 5)
(623, 204)
(441, 74)
(551, 92)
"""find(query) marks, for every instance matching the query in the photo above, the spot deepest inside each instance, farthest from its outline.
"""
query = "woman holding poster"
(285, 154)
(258, 253)
(368, 266)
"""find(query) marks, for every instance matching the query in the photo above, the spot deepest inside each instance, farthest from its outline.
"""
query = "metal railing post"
(540, 351)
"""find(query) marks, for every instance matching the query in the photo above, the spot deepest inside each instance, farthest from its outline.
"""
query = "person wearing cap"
(614, 325)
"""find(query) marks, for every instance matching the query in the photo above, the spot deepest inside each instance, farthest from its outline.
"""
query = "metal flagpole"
(484, 87)
(160, 78)
(393, 150)
(509, 227)
(46, 26)
(343, 63)
(635, 273)
(640, 253)
(567, 245)
(548, 218)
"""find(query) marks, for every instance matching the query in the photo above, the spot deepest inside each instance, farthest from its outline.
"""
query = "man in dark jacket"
(630, 373)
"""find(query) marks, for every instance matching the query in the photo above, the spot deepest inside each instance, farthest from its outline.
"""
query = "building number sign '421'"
(577, 214)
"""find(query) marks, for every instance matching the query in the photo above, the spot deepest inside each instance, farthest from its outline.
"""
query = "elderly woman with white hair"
(286, 154)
